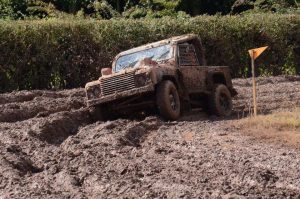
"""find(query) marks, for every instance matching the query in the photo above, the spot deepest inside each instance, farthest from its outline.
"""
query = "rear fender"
(220, 75)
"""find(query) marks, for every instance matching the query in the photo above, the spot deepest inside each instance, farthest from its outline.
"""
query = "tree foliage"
(197, 7)
(106, 9)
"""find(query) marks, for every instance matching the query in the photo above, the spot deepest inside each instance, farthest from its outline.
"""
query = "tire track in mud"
(50, 148)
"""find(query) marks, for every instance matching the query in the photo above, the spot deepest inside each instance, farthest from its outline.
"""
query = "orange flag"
(255, 53)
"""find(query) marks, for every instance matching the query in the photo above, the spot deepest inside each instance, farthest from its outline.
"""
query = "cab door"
(192, 74)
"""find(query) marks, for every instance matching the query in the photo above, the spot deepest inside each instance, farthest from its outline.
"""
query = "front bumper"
(115, 96)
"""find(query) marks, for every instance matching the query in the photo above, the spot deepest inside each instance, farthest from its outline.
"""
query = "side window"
(187, 55)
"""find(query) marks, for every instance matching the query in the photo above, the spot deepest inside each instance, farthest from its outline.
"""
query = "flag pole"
(255, 53)
(254, 84)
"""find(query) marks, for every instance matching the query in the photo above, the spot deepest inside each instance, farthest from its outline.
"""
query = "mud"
(18, 106)
(49, 148)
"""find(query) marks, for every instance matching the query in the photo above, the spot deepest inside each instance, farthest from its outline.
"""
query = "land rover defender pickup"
(169, 76)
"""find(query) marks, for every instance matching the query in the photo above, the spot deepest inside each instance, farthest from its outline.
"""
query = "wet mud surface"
(49, 148)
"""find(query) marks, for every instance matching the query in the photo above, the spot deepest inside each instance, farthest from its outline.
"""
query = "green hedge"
(67, 54)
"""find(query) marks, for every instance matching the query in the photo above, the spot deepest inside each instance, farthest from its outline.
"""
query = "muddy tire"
(97, 113)
(220, 102)
(167, 100)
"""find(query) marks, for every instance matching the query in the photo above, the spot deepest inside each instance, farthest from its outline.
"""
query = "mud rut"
(50, 149)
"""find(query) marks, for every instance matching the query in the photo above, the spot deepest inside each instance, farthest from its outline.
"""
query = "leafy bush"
(259, 6)
(196, 7)
(66, 54)
(12, 9)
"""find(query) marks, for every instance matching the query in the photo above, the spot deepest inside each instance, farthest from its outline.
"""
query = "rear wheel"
(220, 102)
(167, 100)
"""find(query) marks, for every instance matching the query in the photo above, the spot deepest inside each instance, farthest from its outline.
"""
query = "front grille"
(117, 83)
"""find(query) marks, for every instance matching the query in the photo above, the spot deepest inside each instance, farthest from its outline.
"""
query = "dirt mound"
(49, 148)
(27, 104)
(59, 126)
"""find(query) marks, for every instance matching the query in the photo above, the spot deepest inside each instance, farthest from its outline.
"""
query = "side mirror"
(106, 71)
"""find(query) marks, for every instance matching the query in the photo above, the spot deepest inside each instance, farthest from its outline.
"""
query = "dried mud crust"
(55, 151)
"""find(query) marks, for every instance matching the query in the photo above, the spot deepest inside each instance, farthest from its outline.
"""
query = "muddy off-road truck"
(169, 76)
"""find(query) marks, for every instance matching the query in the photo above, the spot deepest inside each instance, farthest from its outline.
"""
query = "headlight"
(97, 91)
(141, 79)
(94, 92)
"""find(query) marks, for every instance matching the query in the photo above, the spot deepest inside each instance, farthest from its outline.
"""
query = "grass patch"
(280, 127)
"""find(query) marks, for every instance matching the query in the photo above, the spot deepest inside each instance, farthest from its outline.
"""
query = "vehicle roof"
(172, 40)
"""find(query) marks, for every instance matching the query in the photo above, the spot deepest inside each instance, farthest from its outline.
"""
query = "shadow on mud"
(137, 134)
(194, 115)
(20, 161)
(200, 115)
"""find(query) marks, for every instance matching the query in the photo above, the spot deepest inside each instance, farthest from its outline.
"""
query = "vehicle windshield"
(158, 54)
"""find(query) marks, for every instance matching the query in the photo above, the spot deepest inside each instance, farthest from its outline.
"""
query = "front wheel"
(220, 101)
(167, 100)
(98, 113)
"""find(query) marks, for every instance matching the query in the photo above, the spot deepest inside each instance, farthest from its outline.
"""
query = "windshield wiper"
(129, 65)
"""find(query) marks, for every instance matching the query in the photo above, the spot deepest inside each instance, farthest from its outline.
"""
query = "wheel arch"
(218, 78)
(178, 84)
(170, 78)
(214, 78)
